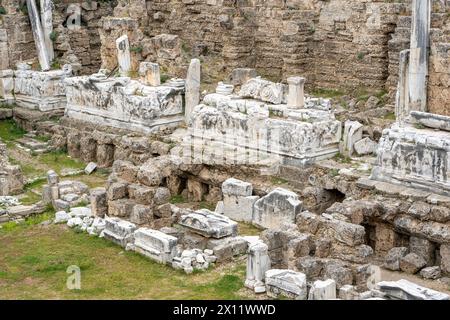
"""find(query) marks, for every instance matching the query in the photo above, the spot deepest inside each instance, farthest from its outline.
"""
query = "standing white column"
(38, 35)
(123, 55)
(258, 262)
(47, 26)
(193, 80)
(149, 74)
(418, 63)
(296, 95)
(402, 98)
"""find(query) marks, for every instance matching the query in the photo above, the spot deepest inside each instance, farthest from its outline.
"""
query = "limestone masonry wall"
(335, 44)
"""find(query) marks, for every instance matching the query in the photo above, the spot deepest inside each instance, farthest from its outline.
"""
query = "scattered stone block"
(445, 258)
(412, 263)
(155, 245)
(352, 133)
(286, 283)
(209, 224)
(99, 203)
(61, 217)
(323, 290)
(424, 248)
(121, 207)
(393, 257)
(406, 290)
(90, 168)
(432, 273)
(365, 146)
(348, 292)
(226, 249)
(119, 231)
(278, 207)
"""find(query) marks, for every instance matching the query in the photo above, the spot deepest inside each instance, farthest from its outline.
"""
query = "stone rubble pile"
(195, 259)
(64, 195)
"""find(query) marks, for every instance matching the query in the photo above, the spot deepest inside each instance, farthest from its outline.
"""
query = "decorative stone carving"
(225, 89)
(323, 290)
(406, 290)
(209, 224)
(352, 134)
(264, 90)
(123, 103)
(119, 231)
(288, 283)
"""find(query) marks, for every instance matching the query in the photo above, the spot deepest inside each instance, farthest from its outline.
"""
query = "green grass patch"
(10, 131)
(35, 259)
(58, 160)
(247, 229)
(327, 93)
(278, 181)
(342, 159)
(177, 199)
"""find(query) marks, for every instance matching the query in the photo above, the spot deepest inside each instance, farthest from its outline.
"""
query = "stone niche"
(124, 103)
(42, 91)
(257, 126)
(415, 156)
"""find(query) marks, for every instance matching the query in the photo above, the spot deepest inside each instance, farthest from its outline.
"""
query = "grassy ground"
(34, 260)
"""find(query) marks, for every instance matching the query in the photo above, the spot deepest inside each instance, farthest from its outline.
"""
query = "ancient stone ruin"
(317, 159)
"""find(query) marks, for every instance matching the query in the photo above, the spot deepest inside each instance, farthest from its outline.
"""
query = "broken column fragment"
(193, 81)
(352, 134)
(402, 97)
(47, 26)
(296, 96)
(406, 290)
(323, 290)
(149, 74)
(258, 262)
(123, 55)
(38, 35)
(418, 61)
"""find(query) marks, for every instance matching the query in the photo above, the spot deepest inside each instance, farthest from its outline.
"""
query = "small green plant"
(334, 172)
(2, 10)
(278, 180)
(53, 35)
(164, 78)
(360, 55)
(342, 159)
(177, 199)
(136, 49)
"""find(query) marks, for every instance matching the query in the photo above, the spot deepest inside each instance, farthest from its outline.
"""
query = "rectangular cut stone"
(239, 208)
(7, 86)
(431, 120)
(155, 245)
(237, 187)
(209, 224)
(123, 55)
(131, 105)
(413, 157)
(406, 290)
(42, 91)
(278, 207)
(149, 74)
(402, 96)
(288, 283)
(233, 131)
(323, 290)
(119, 231)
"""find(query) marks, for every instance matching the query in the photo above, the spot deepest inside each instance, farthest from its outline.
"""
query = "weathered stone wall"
(75, 46)
(337, 43)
